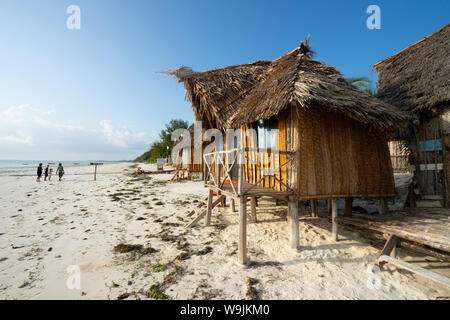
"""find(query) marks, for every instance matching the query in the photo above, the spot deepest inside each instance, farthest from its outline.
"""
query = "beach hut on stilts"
(186, 166)
(303, 133)
(417, 80)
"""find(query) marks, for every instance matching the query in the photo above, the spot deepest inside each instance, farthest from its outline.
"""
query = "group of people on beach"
(47, 171)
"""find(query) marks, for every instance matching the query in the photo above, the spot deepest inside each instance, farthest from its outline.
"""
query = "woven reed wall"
(341, 157)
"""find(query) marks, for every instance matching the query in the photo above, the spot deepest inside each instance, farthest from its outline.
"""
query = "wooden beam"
(315, 208)
(293, 222)
(233, 205)
(348, 207)
(388, 247)
(334, 215)
(383, 259)
(203, 213)
(209, 208)
(242, 246)
(253, 206)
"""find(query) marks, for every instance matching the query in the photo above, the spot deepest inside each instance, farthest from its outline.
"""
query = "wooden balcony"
(220, 166)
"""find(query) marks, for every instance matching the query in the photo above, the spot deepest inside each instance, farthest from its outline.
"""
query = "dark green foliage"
(159, 148)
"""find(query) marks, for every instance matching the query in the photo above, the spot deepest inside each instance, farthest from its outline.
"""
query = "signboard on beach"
(95, 170)
(160, 164)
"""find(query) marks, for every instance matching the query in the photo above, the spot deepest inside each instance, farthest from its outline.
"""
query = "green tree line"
(163, 147)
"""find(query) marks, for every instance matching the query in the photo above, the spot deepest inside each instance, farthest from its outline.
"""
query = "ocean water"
(18, 165)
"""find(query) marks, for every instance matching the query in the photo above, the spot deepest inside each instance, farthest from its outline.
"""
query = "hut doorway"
(428, 154)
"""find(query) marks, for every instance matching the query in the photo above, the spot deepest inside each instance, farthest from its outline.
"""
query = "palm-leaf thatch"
(210, 91)
(233, 96)
(418, 78)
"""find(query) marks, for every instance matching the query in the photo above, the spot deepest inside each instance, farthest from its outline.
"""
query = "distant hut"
(417, 80)
(331, 136)
(187, 166)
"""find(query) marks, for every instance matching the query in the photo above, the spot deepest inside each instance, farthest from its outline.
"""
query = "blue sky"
(96, 93)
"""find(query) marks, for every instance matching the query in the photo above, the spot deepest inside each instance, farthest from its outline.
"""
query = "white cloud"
(16, 139)
(123, 137)
(28, 130)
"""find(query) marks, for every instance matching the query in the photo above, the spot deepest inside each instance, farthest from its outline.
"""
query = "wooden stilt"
(242, 247)
(209, 208)
(277, 202)
(334, 216)
(224, 202)
(382, 206)
(293, 222)
(315, 208)
(348, 207)
(329, 205)
(253, 206)
(233, 205)
(256, 202)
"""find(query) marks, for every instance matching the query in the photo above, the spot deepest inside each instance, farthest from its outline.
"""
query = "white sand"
(81, 224)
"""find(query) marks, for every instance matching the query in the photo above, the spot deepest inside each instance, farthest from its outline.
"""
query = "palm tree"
(364, 84)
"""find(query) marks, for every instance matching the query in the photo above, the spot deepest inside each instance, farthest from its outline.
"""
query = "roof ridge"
(411, 46)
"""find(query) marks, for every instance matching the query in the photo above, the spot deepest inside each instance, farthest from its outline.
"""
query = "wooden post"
(293, 222)
(209, 208)
(242, 247)
(348, 207)
(233, 205)
(224, 202)
(256, 202)
(329, 205)
(388, 247)
(334, 216)
(241, 176)
(277, 202)
(95, 172)
(253, 206)
(382, 206)
(315, 208)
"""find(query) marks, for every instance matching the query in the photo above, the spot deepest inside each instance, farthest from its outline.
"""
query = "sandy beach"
(126, 234)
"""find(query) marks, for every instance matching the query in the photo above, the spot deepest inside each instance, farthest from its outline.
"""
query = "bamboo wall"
(338, 157)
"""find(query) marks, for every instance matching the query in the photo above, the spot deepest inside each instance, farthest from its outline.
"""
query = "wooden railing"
(220, 164)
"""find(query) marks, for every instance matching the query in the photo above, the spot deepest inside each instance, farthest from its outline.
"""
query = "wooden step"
(428, 204)
(432, 197)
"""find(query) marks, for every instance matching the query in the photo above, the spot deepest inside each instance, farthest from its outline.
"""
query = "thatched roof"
(418, 77)
(211, 91)
(232, 96)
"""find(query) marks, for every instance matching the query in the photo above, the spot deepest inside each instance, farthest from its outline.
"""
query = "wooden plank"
(293, 222)
(415, 269)
(428, 167)
(253, 206)
(242, 245)
(433, 234)
(334, 215)
(390, 244)
(209, 208)
(203, 213)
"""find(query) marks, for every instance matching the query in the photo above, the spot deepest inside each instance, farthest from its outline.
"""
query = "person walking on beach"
(50, 172)
(39, 173)
(46, 173)
(60, 171)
